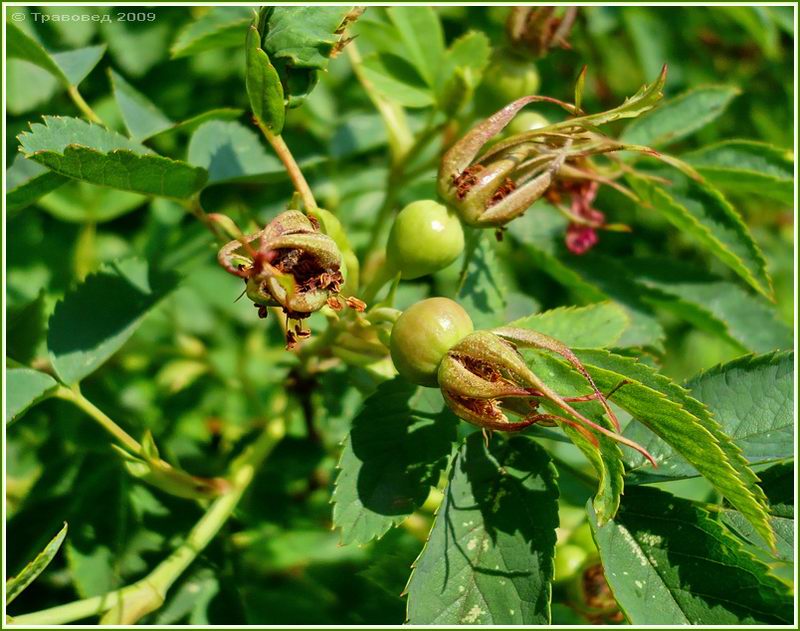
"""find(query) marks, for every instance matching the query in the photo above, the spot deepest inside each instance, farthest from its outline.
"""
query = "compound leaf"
(88, 152)
(489, 558)
(96, 318)
(686, 425)
(681, 116)
(666, 559)
(752, 400)
(700, 210)
(400, 442)
(593, 326)
(747, 166)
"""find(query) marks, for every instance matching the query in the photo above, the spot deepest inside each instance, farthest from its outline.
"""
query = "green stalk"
(83, 106)
(291, 166)
(78, 400)
(393, 115)
(128, 605)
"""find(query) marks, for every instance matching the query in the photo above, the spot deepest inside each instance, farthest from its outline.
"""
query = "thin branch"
(291, 166)
(83, 106)
(128, 605)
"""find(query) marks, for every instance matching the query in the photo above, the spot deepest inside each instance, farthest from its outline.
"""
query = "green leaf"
(394, 78)
(25, 329)
(69, 67)
(26, 387)
(593, 326)
(681, 116)
(751, 398)
(20, 46)
(634, 106)
(88, 152)
(667, 560)
(421, 37)
(489, 558)
(542, 236)
(231, 152)
(96, 318)
(77, 64)
(746, 166)
(462, 70)
(17, 584)
(263, 84)
(142, 118)
(220, 27)
(80, 202)
(400, 442)
(484, 290)
(27, 181)
(718, 306)
(299, 42)
(28, 87)
(778, 484)
(700, 210)
(683, 423)
(607, 461)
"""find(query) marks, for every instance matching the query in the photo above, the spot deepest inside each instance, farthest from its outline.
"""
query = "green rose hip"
(422, 336)
(425, 238)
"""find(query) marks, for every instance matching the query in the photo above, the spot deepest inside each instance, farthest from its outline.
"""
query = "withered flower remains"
(486, 382)
(289, 264)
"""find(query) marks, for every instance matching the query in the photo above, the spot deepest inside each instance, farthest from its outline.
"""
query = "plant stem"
(147, 594)
(393, 115)
(194, 206)
(292, 168)
(83, 106)
(76, 398)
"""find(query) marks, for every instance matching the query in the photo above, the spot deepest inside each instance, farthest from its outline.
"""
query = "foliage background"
(199, 369)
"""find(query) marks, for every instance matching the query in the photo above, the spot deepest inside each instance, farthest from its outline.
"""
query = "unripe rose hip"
(425, 238)
(422, 336)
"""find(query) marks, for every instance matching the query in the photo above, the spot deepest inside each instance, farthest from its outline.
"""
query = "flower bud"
(289, 264)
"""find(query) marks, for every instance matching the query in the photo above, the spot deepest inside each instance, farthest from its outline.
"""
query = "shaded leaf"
(711, 303)
(77, 64)
(703, 213)
(25, 329)
(746, 166)
(17, 584)
(422, 38)
(666, 559)
(220, 27)
(593, 326)
(26, 387)
(541, 233)
(27, 181)
(489, 558)
(91, 153)
(96, 318)
(680, 117)
(394, 78)
(484, 290)
(142, 118)
(229, 151)
(752, 400)
(400, 442)
(81, 202)
(778, 484)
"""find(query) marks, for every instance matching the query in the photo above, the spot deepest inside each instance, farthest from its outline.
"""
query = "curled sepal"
(289, 264)
(149, 467)
(484, 379)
